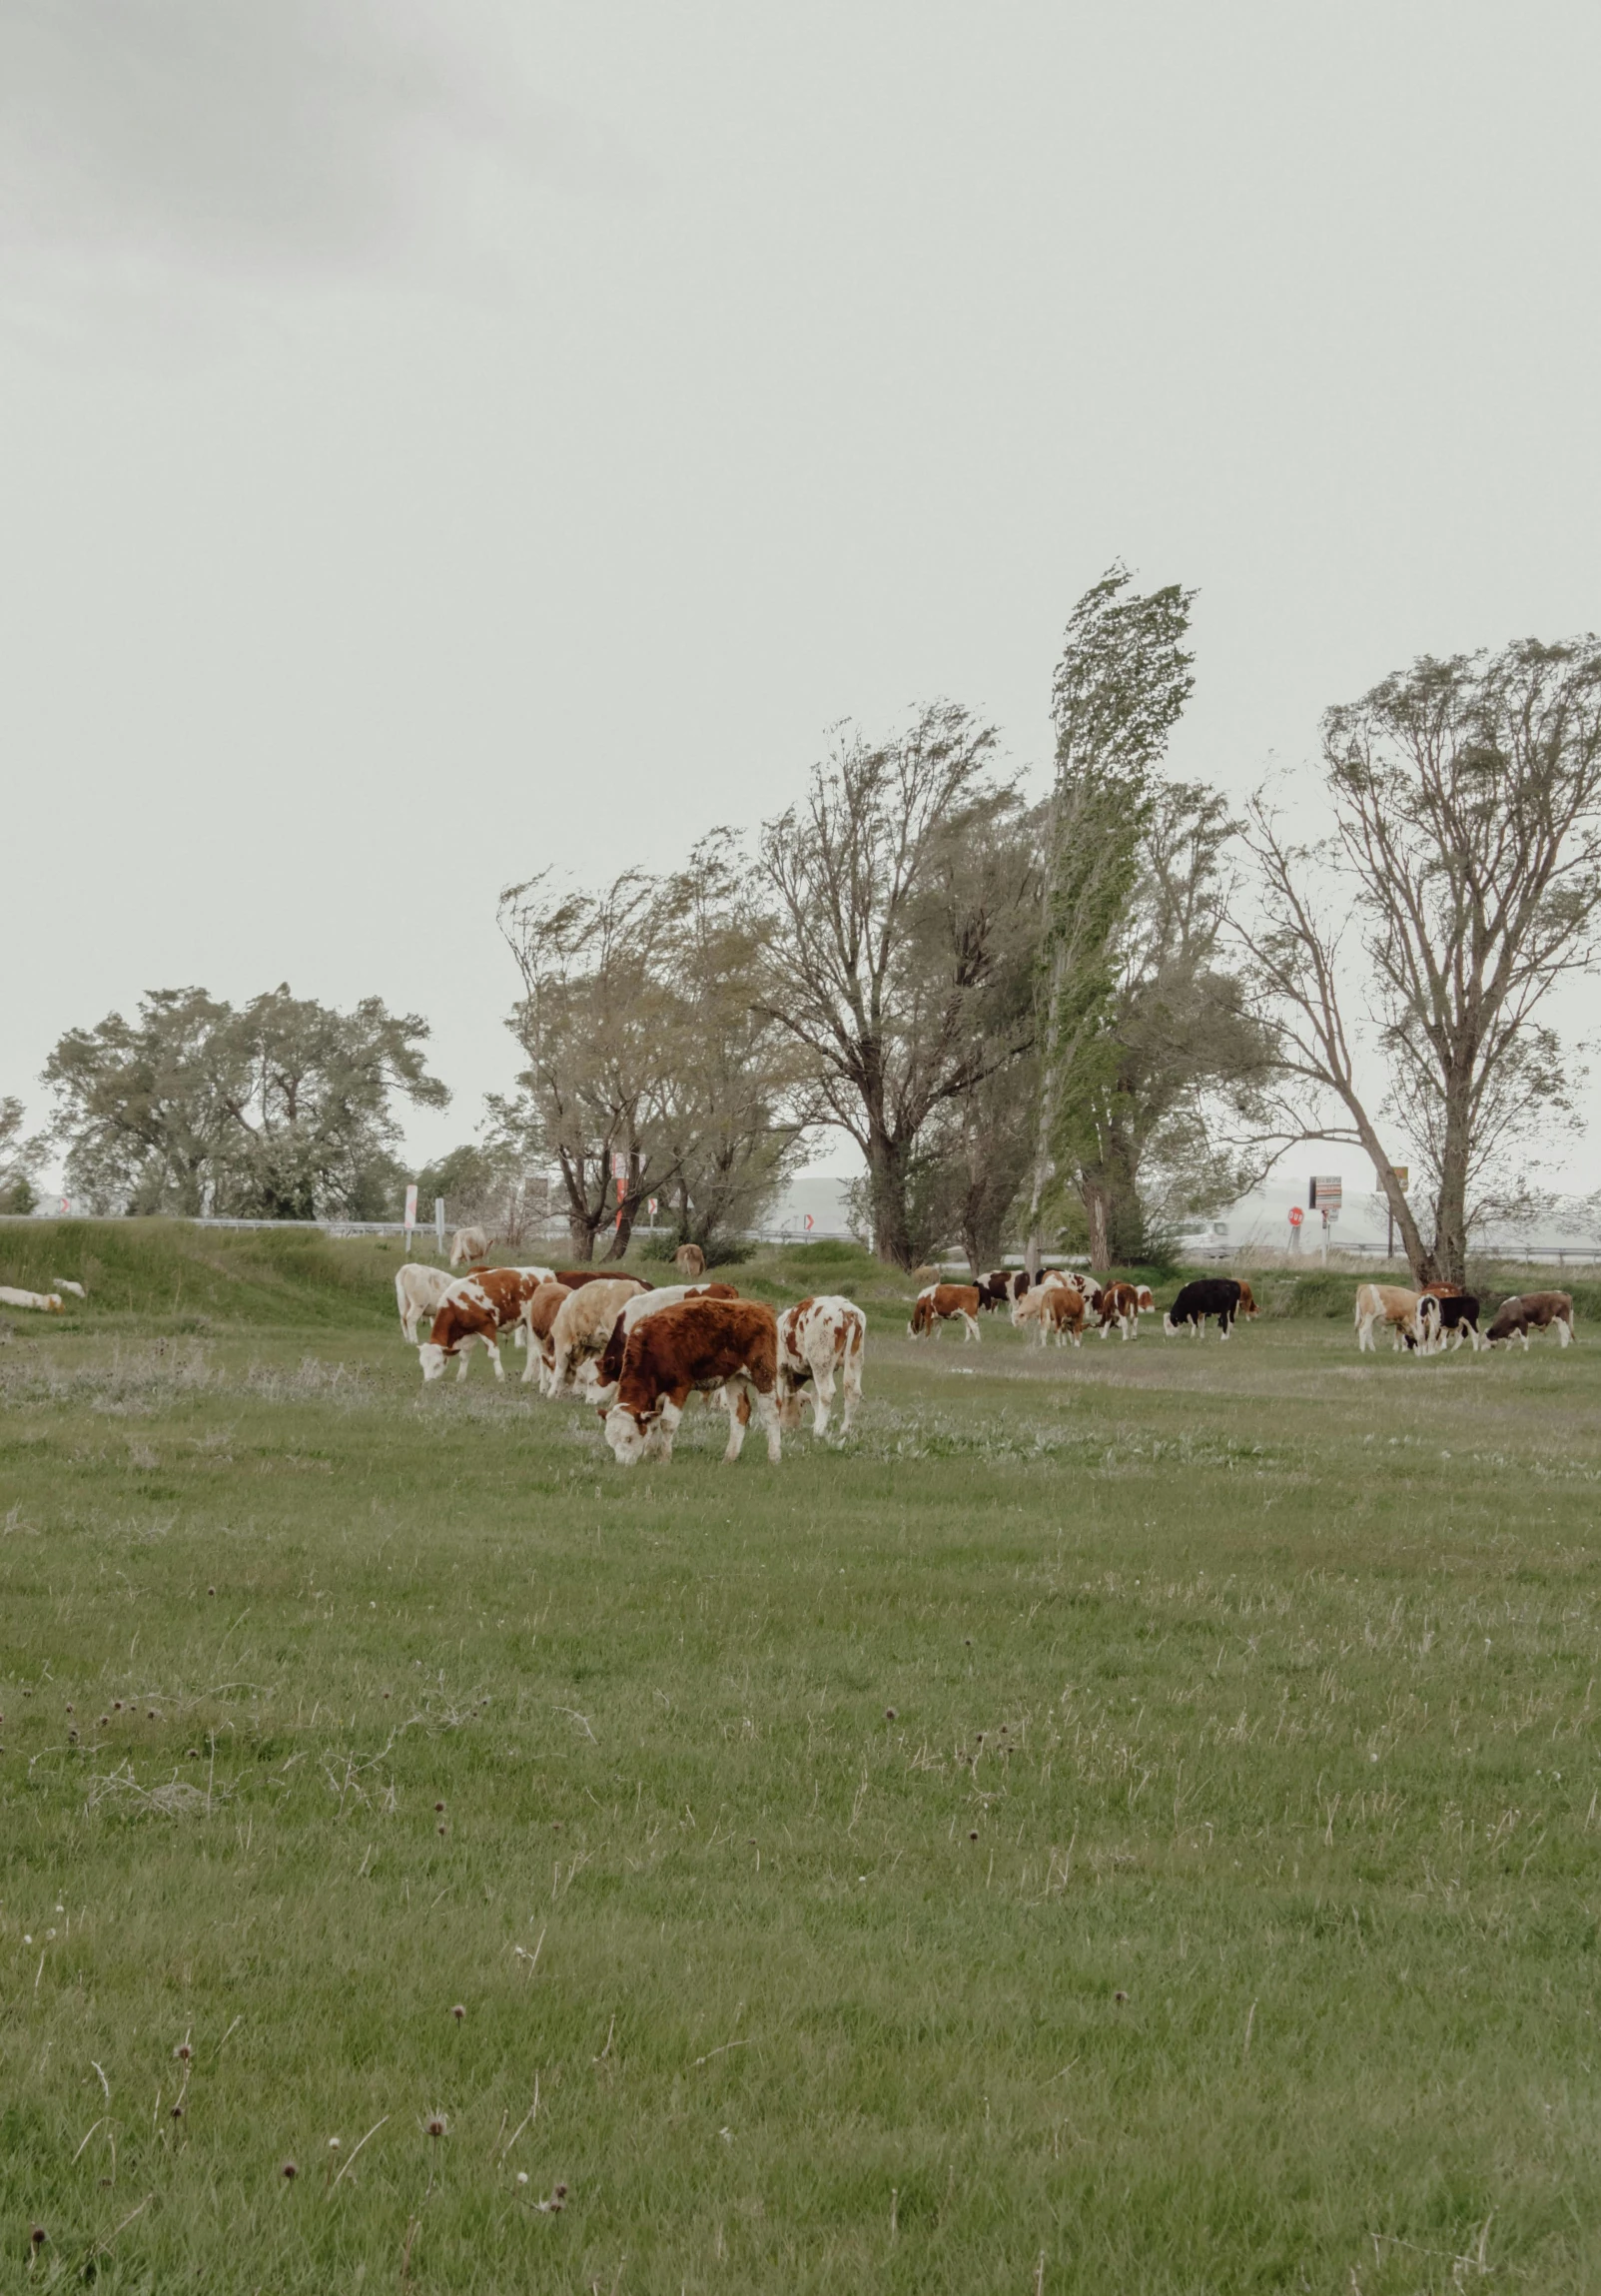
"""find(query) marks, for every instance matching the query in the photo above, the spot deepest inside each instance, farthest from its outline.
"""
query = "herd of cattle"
(637, 1352)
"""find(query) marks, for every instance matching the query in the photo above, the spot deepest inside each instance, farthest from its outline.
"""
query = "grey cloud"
(260, 133)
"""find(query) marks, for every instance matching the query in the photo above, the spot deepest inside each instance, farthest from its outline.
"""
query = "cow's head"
(432, 1357)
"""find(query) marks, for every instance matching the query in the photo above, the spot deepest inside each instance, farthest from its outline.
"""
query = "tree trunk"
(1097, 1205)
(1450, 1204)
(886, 1165)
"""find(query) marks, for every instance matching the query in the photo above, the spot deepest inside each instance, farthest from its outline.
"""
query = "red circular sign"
(1296, 1215)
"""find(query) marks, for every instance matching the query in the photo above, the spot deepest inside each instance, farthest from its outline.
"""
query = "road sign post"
(411, 1215)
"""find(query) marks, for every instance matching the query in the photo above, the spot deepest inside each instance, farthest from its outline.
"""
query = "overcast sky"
(439, 440)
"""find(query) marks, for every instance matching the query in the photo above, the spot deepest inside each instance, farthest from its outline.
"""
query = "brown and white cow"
(600, 1378)
(1530, 1311)
(946, 1303)
(816, 1339)
(1390, 1305)
(539, 1319)
(583, 1326)
(700, 1344)
(1053, 1310)
(1002, 1286)
(1143, 1300)
(1119, 1309)
(476, 1308)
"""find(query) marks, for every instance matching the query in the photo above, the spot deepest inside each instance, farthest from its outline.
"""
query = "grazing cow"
(576, 1277)
(539, 1319)
(816, 1338)
(1248, 1303)
(1515, 1318)
(601, 1377)
(583, 1326)
(944, 1303)
(690, 1261)
(1144, 1300)
(468, 1244)
(1002, 1286)
(701, 1344)
(475, 1309)
(1390, 1304)
(1209, 1295)
(1057, 1309)
(418, 1290)
(1119, 1309)
(49, 1302)
(1446, 1317)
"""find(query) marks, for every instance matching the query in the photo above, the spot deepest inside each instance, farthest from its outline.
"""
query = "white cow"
(468, 1244)
(50, 1302)
(816, 1338)
(418, 1290)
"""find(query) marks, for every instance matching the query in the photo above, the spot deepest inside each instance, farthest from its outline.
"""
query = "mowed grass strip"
(1127, 1822)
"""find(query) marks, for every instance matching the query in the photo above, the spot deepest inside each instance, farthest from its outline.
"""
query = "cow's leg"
(767, 1415)
(738, 1395)
(494, 1345)
(1564, 1331)
(462, 1352)
(822, 1396)
(853, 1390)
(969, 1327)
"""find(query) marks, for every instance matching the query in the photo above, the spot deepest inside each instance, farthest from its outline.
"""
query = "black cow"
(1455, 1316)
(1002, 1286)
(1209, 1295)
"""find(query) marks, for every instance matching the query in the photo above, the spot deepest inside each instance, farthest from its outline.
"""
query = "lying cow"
(48, 1301)
(1119, 1309)
(946, 1303)
(475, 1310)
(1532, 1311)
(599, 1378)
(582, 1326)
(468, 1244)
(1401, 1311)
(1446, 1317)
(700, 1344)
(1208, 1296)
(816, 1338)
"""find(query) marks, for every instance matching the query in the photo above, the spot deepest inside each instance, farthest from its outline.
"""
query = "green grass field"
(1128, 1823)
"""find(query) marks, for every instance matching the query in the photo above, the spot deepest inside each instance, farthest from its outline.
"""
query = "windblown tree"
(22, 1158)
(726, 1115)
(642, 1043)
(894, 934)
(1185, 1060)
(1119, 688)
(1465, 862)
(279, 1110)
(593, 1024)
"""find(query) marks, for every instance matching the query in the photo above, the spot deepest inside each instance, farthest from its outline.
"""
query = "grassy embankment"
(1128, 1823)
